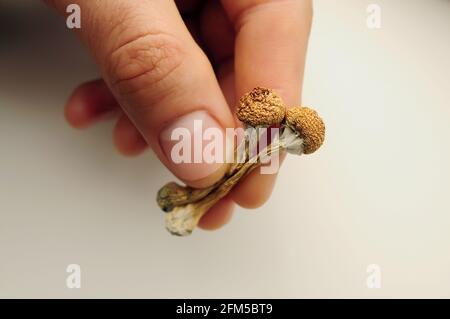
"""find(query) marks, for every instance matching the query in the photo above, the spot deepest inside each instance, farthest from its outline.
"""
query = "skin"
(231, 46)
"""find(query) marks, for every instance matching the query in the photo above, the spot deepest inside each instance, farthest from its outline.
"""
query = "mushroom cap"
(261, 107)
(308, 125)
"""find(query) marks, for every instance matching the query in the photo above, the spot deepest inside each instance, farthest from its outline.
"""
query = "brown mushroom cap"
(309, 125)
(261, 107)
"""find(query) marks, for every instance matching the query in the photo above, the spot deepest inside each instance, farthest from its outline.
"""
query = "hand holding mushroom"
(302, 131)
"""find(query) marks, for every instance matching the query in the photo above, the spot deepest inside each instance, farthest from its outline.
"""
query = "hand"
(156, 77)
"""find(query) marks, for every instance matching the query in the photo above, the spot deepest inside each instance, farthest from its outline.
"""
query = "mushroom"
(261, 107)
(309, 127)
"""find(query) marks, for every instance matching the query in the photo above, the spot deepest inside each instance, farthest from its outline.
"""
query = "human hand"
(156, 77)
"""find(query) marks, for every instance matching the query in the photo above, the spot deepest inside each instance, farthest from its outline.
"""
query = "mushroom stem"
(182, 220)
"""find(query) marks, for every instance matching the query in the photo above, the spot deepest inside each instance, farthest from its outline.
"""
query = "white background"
(377, 192)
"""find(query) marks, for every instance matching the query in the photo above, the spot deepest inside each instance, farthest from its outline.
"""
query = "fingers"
(128, 140)
(271, 44)
(218, 216)
(89, 103)
(159, 76)
(93, 101)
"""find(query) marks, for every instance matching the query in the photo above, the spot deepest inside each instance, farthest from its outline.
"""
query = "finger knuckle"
(145, 62)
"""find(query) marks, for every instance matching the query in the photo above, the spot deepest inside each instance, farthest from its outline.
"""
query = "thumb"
(160, 77)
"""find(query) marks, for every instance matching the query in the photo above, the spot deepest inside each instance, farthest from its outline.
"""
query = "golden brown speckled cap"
(309, 125)
(261, 107)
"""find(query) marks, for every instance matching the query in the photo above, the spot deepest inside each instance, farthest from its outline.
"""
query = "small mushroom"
(309, 126)
(261, 107)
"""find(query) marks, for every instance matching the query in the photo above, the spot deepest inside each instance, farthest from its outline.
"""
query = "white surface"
(378, 191)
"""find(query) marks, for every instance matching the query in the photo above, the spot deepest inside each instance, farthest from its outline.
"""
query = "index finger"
(271, 42)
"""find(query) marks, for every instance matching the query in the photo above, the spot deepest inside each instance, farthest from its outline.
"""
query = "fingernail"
(188, 149)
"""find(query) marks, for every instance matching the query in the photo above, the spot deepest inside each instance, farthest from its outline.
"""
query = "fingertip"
(218, 216)
(89, 102)
(76, 110)
(75, 114)
(127, 139)
(254, 190)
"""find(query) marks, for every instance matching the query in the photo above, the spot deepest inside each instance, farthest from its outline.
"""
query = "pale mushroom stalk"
(182, 220)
